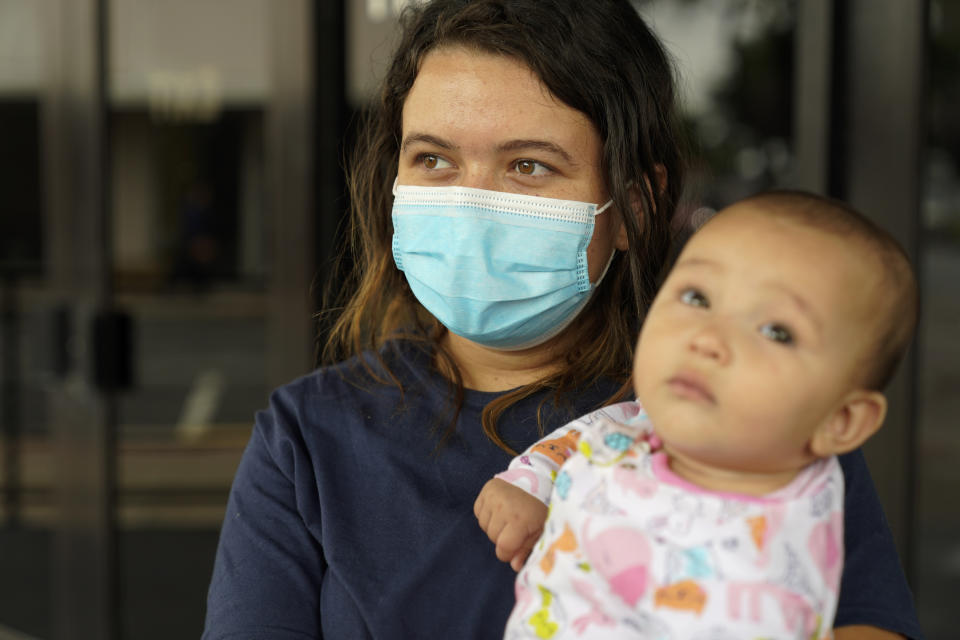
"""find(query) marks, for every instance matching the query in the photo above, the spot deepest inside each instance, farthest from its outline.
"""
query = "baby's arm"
(512, 519)
(511, 508)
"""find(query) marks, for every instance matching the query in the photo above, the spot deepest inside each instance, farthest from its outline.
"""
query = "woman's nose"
(479, 176)
(709, 342)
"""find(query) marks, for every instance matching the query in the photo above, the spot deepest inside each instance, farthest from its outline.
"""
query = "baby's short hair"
(898, 310)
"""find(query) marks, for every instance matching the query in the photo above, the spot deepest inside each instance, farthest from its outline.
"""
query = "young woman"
(532, 148)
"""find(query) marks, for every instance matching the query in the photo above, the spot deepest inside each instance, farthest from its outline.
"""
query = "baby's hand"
(512, 519)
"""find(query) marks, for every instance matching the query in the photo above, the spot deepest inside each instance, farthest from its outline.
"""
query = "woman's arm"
(269, 563)
(863, 632)
(874, 593)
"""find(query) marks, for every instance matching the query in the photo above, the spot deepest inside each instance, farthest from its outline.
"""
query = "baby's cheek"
(640, 380)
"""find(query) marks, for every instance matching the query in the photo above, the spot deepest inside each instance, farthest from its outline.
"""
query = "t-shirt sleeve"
(873, 588)
(269, 563)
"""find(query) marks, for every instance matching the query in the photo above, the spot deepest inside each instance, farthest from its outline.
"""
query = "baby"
(711, 507)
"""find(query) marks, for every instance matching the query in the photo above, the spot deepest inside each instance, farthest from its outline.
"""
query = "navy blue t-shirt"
(346, 521)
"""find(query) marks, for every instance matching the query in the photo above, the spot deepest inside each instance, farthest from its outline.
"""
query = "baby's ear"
(858, 418)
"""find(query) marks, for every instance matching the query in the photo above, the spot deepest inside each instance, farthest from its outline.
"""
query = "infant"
(712, 507)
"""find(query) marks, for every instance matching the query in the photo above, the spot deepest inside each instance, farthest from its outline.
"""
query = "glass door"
(29, 366)
(209, 161)
(156, 264)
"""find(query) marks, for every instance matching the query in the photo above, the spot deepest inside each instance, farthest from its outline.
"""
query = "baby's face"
(753, 340)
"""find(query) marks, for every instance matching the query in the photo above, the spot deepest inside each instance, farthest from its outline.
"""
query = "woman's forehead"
(462, 93)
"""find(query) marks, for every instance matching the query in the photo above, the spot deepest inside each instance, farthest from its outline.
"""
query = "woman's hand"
(512, 519)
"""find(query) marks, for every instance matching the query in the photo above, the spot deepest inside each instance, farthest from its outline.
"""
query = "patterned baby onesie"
(631, 550)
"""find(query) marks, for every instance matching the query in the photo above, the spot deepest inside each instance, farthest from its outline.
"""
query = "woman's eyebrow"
(541, 145)
(510, 145)
(429, 139)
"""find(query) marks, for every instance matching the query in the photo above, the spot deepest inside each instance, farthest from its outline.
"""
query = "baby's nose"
(709, 342)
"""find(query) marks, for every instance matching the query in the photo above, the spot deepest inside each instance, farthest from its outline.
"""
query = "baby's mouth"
(691, 386)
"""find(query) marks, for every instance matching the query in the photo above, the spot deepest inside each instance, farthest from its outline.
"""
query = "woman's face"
(486, 121)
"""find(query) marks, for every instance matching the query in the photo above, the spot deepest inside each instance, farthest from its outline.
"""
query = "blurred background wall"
(172, 189)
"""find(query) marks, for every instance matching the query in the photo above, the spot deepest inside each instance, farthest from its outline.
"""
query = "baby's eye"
(531, 168)
(430, 161)
(777, 333)
(694, 298)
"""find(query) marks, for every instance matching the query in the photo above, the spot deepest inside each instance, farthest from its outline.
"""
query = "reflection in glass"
(26, 510)
(191, 255)
(735, 62)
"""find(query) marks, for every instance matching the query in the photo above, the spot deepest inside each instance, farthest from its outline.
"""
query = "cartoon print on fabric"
(758, 530)
(562, 484)
(609, 441)
(715, 633)
(691, 563)
(685, 595)
(596, 615)
(731, 510)
(826, 538)
(522, 478)
(566, 542)
(686, 509)
(523, 593)
(647, 626)
(828, 497)
(622, 556)
(598, 502)
(826, 548)
(626, 544)
(797, 612)
(626, 474)
(549, 618)
(558, 449)
(795, 575)
(765, 528)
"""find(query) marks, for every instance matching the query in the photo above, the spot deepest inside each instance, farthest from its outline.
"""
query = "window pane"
(26, 507)
(937, 547)
(735, 64)
(188, 96)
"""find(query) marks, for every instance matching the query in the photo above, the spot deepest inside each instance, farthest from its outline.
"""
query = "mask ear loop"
(394, 188)
(601, 209)
(613, 252)
(596, 284)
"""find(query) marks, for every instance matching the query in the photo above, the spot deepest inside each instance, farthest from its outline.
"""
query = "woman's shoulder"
(394, 365)
(331, 397)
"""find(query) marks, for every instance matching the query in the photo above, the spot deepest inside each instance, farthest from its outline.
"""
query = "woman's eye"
(430, 161)
(777, 333)
(531, 168)
(694, 298)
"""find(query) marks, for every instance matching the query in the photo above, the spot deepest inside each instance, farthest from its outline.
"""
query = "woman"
(532, 148)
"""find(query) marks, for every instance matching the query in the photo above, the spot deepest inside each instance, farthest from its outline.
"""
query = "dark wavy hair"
(596, 56)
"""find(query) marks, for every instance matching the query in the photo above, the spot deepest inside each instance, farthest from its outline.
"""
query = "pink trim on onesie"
(660, 466)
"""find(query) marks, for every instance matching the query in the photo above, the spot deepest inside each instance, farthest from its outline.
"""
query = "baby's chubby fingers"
(481, 510)
(487, 508)
(518, 560)
(512, 518)
(517, 538)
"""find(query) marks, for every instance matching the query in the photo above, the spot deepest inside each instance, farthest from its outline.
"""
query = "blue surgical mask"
(504, 270)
